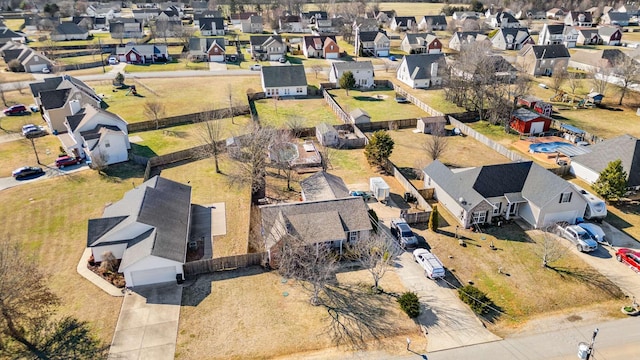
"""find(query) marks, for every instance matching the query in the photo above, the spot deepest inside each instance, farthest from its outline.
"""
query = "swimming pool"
(549, 147)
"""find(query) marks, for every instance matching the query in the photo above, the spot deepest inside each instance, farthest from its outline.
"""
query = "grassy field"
(52, 226)
(15, 123)
(168, 140)
(74, 60)
(180, 96)
(171, 66)
(523, 290)
(219, 321)
(380, 109)
(20, 153)
(310, 112)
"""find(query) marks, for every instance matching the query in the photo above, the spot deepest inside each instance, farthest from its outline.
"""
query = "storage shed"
(595, 97)
(359, 116)
(432, 125)
(526, 121)
(327, 135)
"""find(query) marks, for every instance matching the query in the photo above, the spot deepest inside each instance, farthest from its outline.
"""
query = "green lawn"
(380, 109)
(74, 60)
(310, 112)
(171, 66)
(494, 132)
(15, 154)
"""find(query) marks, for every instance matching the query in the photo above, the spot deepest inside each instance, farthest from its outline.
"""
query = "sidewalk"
(84, 271)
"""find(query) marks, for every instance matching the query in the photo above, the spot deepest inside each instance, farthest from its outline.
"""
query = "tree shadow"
(124, 171)
(142, 150)
(367, 98)
(510, 231)
(194, 291)
(591, 278)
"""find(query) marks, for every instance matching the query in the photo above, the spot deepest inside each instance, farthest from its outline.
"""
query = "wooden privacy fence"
(224, 263)
(341, 114)
(187, 118)
(193, 153)
(417, 102)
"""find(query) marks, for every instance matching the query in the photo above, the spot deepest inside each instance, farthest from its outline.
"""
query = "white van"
(432, 266)
(596, 208)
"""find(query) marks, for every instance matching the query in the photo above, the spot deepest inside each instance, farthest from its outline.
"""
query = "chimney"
(75, 106)
(434, 69)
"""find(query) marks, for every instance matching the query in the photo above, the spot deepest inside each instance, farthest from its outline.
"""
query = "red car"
(629, 257)
(66, 161)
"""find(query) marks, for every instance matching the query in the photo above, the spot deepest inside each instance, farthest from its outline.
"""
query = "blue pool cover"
(549, 147)
(572, 128)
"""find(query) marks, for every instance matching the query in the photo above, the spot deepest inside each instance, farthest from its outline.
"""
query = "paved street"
(49, 172)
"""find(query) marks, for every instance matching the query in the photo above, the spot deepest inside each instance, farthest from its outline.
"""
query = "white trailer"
(379, 188)
(596, 209)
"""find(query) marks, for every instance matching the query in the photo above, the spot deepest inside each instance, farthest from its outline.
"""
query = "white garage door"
(153, 276)
(37, 67)
(332, 55)
(216, 58)
(537, 127)
(275, 57)
(568, 216)
(383, 52)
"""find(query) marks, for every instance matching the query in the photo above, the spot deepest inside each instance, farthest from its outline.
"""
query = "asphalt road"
(49, 172)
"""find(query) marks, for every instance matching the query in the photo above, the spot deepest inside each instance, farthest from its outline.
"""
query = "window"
(565, 197)
(106, 144)
(353, 236)
(497, 208)
(479, 217)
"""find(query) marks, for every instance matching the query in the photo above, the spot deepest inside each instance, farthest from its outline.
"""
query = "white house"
(282, 81)
(148, 230)
(522, 190)
(421, 70)
(362, 72)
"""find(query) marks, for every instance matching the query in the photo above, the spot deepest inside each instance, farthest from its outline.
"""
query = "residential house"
(211, 26)
(630, 8)
(125, 28)
(95, 134)
(206, 14)
(32, 61)
(375, 44)
(312, 17)
(359, 116)
(536, 104)
(333, 25)
(384, 17)
(281, 81)
(84, 22)
(432, 125)
(422, 70)
(207, 49)
(323, 186)
(421, 43)
(615, 18)
(462, 15)
(589, 37)
(588, 166)
(463, 38)
(145, 14)
(534, 14)
(552, 34)
(36, 22)
(511, 38)
(403, 23)
(580, 19)
(104, 12)
(592, 61)
(236, 19)
(496, 65)
(519, 190)
(433, 23)
(142, 53)
(529, 122)
(336, 222)
(325, 47)
(543, 59)
(364, 25)
(267, 47)
(503, 20)
(556, 13)
(291, 24)
(54, 96)
(165, 26)
(69, 31)
(611, 35)
(362, 72)
(252, 25)
(7, 35)
(148, 231)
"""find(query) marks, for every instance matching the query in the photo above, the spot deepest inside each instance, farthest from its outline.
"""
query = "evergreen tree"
(379, 148)
(347, 81)
(612, 182)
(433, 219)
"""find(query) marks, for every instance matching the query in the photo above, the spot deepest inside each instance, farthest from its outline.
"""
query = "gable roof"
(366, 36)
(202, 45)
(526, 115)
(419, 39)
(608, 30)
(419, 65)
(69, 28)
(359, 112)
(435, 19)
(576, 14)
(513, 35)
(207, 23)
(6, 33)
(404, 20)
(54, 99)
(617, 16)
(352, 66)
(259, 40)
(624, 147)
(281, 76)
(323, 186)
(547, 51)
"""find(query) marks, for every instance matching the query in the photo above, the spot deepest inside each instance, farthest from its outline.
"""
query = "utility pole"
(586, 351)
(33, 145)
(101, 59)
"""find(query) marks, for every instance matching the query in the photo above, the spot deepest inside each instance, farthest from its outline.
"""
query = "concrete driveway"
(448, 322)
(148, 323)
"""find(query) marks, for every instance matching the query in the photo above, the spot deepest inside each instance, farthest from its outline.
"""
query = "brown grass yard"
(246, 314)
(15, 154)
(180, 96)
(524, 290)
(310, 112)
(49, 219)
(380, 109)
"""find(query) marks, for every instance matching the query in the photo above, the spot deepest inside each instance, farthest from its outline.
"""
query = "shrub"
(373, 217)
(410, 304)
(15, 66)
(475, 298)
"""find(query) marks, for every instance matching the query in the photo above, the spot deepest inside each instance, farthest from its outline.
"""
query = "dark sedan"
(27, 171)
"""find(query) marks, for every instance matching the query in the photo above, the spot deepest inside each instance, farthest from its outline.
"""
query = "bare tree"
(100, 161)
(316, 69)
(376, 254)
(231, 98)
(558, 78)
(573, 80)
(327, 154)
(628, 71)
(275, 99)
(210, 131)
(600, 77)
(312, 263)
(295, 123)
(435, 146)
(154, 110)
(282, 153)
(185, 34)
(548, 248)
(388, 65)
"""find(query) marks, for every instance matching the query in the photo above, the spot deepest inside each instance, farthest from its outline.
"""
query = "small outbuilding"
(526, 121)
(595, 97)
(433, 125)
(359, 116)
(327, 135)
(535, 104)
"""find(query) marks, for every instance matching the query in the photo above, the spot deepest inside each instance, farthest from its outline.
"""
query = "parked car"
(595, 232)
(66, 161)
(34, 108)
(432, 266)
(256, 67)
(283, 60)
(401, 99)
(15, 110)
(113, 60)
(629, 257)
(26, 171)
(579, 237)
(46, 70)
(401, 230)
(35, 132)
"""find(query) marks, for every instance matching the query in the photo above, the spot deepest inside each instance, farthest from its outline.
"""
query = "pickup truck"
(401, 231)
(578, 236)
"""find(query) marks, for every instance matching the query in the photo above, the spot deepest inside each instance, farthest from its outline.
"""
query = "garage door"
(216, 58)
(383, 52)
(153, 276)
(37, 67)
(568, 216)
(537, 127)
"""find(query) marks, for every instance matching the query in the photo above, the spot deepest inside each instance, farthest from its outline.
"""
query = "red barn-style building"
(526, 121)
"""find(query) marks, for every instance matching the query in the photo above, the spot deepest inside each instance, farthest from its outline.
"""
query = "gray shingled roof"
(555, 29)
(625, 148)
(436, 19)
(359, 112)
(526, 115)
(280, 76)
(550, 51)
(54, 99)
(607, 30)
(497, 180)
(206, 23)
(51, 83)
(404, 20)
(458, 185)
(323, 186)
(257, 40)
(69, 28)
(419, 65)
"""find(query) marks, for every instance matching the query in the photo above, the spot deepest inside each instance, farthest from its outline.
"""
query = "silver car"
(595, 232)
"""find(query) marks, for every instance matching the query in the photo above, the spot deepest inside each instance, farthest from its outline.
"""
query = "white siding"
(286, 91)
(152, 263)
(584, 173)
(152, 276)
(117, 250)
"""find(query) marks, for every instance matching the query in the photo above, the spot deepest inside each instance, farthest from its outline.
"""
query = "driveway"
(49, 172)
(148, 323)
(216, 66)
(448, 322)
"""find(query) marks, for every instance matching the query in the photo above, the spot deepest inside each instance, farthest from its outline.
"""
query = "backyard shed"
(526, 121)
(433, 125)
(595, 97)
(379, 187)
(327, 135)
(359, 116)
(536, 104)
